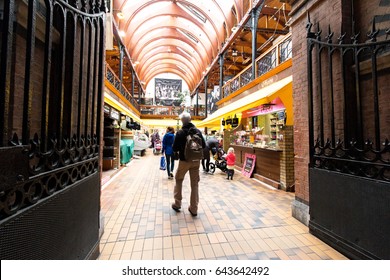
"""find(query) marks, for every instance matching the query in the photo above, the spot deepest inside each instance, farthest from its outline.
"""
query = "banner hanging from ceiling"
(167, 92)
(212, 99)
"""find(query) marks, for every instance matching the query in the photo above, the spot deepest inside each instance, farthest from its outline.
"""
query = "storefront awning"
(250, 101)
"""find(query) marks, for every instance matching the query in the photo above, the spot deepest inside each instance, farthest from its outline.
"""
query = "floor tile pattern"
(237, 220)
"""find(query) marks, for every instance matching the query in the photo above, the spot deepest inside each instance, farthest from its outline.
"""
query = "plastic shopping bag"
(163, 164)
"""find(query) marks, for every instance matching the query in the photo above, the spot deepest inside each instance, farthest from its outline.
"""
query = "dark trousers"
(206, 159)
(170, 163)
(205, 164)
(230, 173)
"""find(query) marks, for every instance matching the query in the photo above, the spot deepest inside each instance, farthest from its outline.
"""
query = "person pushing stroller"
(212, 146)
(219, 161)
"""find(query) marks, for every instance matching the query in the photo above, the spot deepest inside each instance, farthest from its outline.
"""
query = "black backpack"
(193, 149)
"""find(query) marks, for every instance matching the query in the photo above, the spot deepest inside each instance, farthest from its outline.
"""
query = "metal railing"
(115, 81)
(264, 63)
(170, 111)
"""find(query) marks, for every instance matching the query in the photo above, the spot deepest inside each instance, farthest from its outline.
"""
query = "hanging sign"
(115, 114)
(235, 121)
(107, 109)
(249, 165)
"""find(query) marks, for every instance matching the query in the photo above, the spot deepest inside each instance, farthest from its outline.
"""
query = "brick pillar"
(287, 180)
(333, 13)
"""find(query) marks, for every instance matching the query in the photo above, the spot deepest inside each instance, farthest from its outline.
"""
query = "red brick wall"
(366, 10)
(338, 15)
(326, 13)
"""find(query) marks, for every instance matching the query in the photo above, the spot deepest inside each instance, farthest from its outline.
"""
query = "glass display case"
(263, 131)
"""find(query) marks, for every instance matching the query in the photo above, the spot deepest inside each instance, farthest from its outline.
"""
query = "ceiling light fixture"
(234, 52)
(119, 14)
(234, 28)
(122, 33)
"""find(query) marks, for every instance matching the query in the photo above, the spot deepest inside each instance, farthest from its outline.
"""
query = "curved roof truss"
(176, 36)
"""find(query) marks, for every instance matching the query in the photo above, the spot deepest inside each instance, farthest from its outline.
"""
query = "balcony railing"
(115, 81)
(264, 63)
(169, 111)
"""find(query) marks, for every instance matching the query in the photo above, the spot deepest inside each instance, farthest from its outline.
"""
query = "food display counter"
(267, 164)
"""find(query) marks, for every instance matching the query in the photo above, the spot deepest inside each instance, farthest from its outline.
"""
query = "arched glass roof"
(176, 36)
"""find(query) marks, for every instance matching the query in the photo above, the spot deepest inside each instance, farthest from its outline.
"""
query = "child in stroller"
(157, 147)
(219, 161)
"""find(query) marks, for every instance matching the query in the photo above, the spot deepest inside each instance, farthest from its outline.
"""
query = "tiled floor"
(239, 219)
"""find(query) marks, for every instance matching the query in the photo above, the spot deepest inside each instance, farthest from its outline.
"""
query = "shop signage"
(249, 165)
(107, 109)
(114, 114)
(235, 121)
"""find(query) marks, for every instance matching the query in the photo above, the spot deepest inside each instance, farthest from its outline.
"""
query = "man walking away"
(167, 149)
(190, 144)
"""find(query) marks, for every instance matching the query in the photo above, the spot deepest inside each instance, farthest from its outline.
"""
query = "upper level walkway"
(239, 219)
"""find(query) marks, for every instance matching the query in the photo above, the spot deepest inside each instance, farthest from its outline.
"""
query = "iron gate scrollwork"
(51, 81)
(348, 117)
(349, 113)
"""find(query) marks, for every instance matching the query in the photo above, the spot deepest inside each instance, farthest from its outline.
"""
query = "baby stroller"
(157, 147)
(219, 162)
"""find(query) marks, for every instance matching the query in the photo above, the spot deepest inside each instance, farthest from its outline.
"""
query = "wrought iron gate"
(349, 148)
(51, 80)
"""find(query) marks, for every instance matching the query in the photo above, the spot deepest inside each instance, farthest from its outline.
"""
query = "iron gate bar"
(310, 36)
(344, 78)
(28, 86)
(88, 83)
(46, 75)
(102, 58)
(60, 112)
(319, 69)
(70, 68)
(330, 59)
(374, 50)
(81, 75)
(95, 79)
(5, 66)
(359, 117)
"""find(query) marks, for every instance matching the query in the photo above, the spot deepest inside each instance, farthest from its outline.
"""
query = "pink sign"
(276, 105)
(249, 165)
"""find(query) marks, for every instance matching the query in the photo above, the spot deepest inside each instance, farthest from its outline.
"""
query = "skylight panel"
(188, 34)
(184, 51)
(193, 12)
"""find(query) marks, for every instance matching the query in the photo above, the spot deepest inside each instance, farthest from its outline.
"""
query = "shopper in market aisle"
(212, 145)
(230, 160)
(167, 149)
(186, 165)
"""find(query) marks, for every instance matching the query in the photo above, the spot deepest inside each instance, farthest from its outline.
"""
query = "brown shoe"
(174, 207)
(193, 214)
